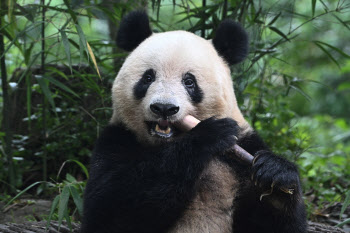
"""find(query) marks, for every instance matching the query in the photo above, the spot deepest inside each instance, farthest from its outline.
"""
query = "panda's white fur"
(212, 209)
(171, 55)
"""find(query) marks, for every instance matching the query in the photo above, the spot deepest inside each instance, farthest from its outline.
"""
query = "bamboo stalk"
(190, 122)
(6, 111)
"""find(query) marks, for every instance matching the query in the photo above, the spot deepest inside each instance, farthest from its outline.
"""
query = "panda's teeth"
(159, 130)
(167, 131)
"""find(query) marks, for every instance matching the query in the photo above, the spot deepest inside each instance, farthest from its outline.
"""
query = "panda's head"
(172, 74)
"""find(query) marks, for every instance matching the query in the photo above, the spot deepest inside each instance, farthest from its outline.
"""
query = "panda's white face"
(168, 76)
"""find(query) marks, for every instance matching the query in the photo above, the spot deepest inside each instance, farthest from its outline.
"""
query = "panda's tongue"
(163, 124)
(163, 127)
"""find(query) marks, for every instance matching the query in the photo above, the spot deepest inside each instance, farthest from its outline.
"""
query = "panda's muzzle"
(162, 127)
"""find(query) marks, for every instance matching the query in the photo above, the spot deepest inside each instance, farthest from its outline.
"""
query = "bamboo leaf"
(11, 4)
(45, 88)
(298, 89)
(66, 216)
(70, 11)
(29, 98)
(279, 32)
(15, 40)
(81, 52)
(63, 203)
(342, 22)
(52, 210)
(61, 85)
(66, 47)
(334, 48)
(345, 204)
(78, 201)
(82, 166)
(77, 162)
(26, 13)
(343, 223)
(313, 3)
(70, 178)
(93, 59)
(327, 53)
(82, 39)
(23, 191)
(275, 18)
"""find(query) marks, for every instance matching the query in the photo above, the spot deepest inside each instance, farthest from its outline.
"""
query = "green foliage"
(293, 88)
(70, 190)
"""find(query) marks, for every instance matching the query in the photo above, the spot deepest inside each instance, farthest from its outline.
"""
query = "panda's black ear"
(133, 29)
(231, 42)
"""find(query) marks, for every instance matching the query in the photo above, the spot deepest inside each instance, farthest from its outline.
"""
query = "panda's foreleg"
(133, 189)
(276, 183)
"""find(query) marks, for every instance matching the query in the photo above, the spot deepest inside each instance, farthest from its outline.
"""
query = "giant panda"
(148, 176)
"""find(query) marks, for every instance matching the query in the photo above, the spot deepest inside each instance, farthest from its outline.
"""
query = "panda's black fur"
(138, 188)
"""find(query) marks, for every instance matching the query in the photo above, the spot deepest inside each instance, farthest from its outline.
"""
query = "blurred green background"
(59, 59)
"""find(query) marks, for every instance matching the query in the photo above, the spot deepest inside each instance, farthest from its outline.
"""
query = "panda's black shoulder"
(114, 138)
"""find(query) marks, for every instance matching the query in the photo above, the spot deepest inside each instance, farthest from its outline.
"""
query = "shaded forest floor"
(29, 214)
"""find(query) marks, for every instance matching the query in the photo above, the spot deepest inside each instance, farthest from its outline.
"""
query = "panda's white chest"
(212, 209)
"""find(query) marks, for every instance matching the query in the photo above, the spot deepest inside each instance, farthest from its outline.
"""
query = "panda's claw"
(275, 173)
(267, 193)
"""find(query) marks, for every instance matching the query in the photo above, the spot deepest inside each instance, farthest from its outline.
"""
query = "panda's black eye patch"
(141, 87)
(190, 83)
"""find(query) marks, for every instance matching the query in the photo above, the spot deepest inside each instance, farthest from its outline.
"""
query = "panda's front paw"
(275, 175)
(215, 135)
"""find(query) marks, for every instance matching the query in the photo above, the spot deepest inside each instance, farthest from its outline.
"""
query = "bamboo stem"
(6, 111)
(190, 122)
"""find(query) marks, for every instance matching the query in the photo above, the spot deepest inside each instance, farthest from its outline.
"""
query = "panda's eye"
(188, 81)
(148, 77)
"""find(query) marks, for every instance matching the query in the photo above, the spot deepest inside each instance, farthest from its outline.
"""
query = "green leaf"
(85, 170)
(14, 41)
(343, 223)
(23, 191)
(52, 210)
(45, 88)
(82, 39)
(61, 85)
(78, 163)
(26, 13)
(78, 201)
(275, 18)
(66, 47)
(70, 178)
(327, 53)
(279, 32)
(29, 98)
(344, 86)
(298, 89)
(70, 11)
(345, 204)
(342, 22)
(313, 3)
(334, 48)
(66, 216)
(63, 203)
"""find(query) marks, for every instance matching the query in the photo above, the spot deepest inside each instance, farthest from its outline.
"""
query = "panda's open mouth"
(162, 128)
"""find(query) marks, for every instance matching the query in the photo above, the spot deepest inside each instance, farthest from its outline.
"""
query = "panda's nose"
(164, 110)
